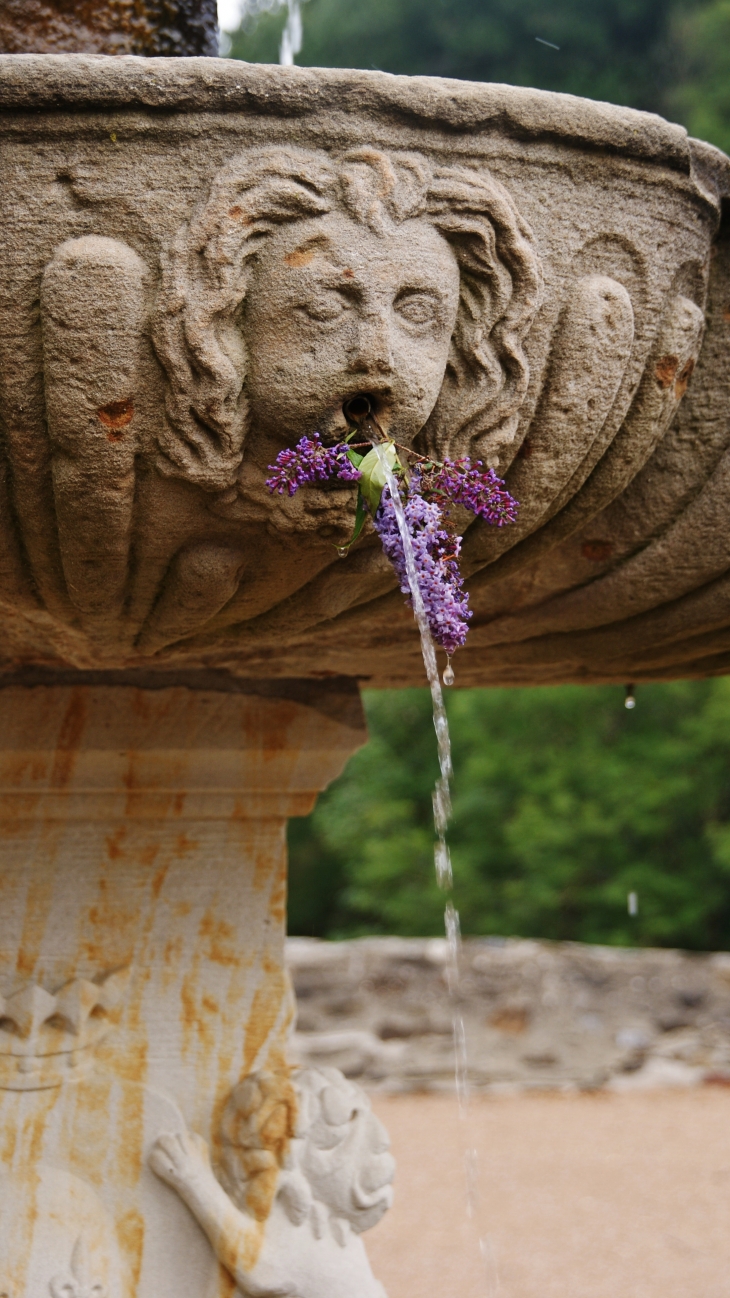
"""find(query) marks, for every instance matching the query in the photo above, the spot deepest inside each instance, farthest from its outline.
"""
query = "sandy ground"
(584, 1196)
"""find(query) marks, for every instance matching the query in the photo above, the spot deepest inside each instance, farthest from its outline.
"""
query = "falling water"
(291, 37)
(233, 12)
(442, 857)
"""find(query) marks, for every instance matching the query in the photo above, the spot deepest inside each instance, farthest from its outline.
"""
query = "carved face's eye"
(326, 306)
(417, 308)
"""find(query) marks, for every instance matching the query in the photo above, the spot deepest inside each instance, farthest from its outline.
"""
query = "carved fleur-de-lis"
(79, 1283)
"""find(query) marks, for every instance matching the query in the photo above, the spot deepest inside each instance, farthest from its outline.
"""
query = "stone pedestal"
(143, 850)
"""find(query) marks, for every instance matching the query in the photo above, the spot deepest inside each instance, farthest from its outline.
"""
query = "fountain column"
(143, 885)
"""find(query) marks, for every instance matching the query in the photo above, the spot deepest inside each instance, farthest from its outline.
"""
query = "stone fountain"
(202, 260)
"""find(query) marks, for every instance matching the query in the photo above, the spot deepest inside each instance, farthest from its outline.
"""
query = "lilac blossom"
(309, 461)
(436, 554)
(436, 551)
(474, 486)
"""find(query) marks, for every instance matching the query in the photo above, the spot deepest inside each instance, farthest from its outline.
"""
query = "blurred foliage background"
(668, 56)
(564, 802)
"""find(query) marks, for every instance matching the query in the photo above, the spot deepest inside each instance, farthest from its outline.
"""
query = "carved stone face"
(334, 309)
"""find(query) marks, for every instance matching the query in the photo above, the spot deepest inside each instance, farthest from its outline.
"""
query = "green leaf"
(360, 516)
(373, 474)
(355, 458)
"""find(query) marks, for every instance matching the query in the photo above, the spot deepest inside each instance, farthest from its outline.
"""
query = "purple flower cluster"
(474, 486)
(436, 551)
(436, 554)
(310, 461)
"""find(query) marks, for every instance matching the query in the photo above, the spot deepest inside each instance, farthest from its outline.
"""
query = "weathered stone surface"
(145, 1008)
(204, 259)
(147, 27)
(536, 1014)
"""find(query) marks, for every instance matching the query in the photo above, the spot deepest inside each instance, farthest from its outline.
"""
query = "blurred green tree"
(623, 51)
(564, 802)
(701, 98)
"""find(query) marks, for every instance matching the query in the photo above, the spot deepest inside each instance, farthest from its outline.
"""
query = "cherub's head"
(305, 279)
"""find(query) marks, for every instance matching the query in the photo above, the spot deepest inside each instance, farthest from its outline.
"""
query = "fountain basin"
(204, 259)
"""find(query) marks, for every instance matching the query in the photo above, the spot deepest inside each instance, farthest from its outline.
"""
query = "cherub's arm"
(183, 1162)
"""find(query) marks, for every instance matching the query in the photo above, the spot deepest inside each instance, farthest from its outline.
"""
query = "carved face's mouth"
(365, 411)
(356, 409)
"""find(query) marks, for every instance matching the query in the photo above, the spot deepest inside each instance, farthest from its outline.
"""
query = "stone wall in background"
(537, 1014)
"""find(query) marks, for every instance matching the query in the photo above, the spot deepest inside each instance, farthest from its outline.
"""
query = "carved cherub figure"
(305, 1169)
(305, 278)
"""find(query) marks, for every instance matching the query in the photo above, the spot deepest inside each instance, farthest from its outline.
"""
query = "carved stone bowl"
(204, 259)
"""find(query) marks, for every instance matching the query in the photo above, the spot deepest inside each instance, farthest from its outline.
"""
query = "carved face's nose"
(371, 352)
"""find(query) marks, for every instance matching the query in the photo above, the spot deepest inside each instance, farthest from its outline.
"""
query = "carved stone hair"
(206, 272)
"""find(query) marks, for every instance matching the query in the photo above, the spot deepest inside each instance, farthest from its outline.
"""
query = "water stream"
(231, 13)
(291, 37)
(444, 875)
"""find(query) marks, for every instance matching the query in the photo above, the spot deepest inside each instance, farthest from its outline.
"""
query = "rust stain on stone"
(158, 881)
(683, 379)
(192, 1024)
(300, 256)
(184, 845)
(596, 551)
(69, 737)
(261, 869)
(130, 1233)
(665, 370)
(114, 843)
(38, 903)
(265, 1008)
(132, 1063)
(86, 1126)
(277, 903)
(116, 918)
(220, 941)
(130, 1158)
(9, 1144)
(116, 416)
(32, 1132)
(171, 954)
(226, 1284)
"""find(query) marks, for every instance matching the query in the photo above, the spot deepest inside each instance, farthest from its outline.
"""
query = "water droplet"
(342, 551)
(442, 858)
(632, 902)
(448, 677)
(630, 700)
